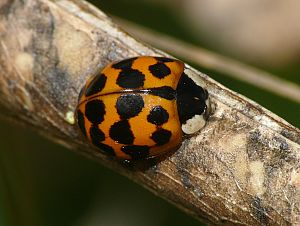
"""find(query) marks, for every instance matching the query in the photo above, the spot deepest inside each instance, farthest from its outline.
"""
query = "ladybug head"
(192, 104)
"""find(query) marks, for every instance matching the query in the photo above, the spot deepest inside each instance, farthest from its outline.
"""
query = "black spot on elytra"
(95, 111)
(163, 59)
(158, 115)
(136, 151)
(96, 137)
(190, 99)
(121, 132)
(129, 105)
(106, 149)
(161, 136)
(165, 92)
(96, 85)
(96, 134)
(124, 64)
(80, 121)
(259, 211)
(131, 79)
(159, 70)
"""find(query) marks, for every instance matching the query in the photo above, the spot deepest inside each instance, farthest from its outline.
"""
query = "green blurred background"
(42, 183)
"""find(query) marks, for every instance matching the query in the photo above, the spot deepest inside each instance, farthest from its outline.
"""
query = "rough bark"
(243, 168)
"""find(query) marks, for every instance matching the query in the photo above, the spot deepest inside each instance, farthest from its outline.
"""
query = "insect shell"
(141, 107)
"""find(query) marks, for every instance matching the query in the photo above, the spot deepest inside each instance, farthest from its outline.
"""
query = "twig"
(241, 169)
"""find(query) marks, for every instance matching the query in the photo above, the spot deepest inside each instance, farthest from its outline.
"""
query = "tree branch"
(243, 168)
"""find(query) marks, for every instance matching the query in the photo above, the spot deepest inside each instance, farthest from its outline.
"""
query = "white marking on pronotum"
(196, 78)
(193, 125)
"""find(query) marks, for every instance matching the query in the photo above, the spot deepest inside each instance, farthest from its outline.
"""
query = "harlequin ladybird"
(141, 107)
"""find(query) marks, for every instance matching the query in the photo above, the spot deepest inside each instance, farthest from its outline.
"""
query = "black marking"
(96, 137)
(121, 132)
(106, 149)
(95, 111)
(96, 134)
(259, 211)
(161, 136)
(80, 121)
(164, 59)
(131, 79)
(165, 92)
(159, 70)
(124, 64)
(158, 115)
(96, 85)
(190, 99)
(129, 105)
(136, 151)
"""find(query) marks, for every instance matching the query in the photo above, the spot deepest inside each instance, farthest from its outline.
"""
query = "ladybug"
(141, 107)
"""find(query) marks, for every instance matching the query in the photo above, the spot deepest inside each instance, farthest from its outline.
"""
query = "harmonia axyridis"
(141, 107)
